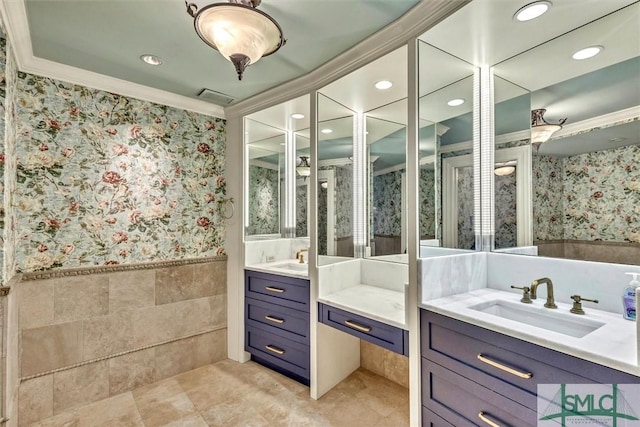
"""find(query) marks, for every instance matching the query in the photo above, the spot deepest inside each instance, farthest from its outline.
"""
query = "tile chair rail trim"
(102, 269)
(122, 353)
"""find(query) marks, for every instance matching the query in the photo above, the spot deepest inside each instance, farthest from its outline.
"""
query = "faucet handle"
(577, 304)
(526, 297)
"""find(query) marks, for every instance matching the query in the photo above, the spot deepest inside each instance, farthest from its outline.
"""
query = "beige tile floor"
(231, 394)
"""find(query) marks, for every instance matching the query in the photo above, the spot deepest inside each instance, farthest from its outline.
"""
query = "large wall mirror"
(265, 150)
(446, 162)
(585, 177)
(335, 178)
(372, 148)
(276, 145)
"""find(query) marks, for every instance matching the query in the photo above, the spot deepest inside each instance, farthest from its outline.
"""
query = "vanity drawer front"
(387, 336)
(430, 419)
(456, 345)
(463, 402)
(288, 322)
(287, 291)
(278, 351)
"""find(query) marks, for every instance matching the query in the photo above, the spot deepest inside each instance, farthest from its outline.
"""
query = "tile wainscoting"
(88, 334)
(600, 251)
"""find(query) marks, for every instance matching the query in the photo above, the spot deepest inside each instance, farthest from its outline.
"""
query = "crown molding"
(414, 22)
(606, 120)
(14, 17)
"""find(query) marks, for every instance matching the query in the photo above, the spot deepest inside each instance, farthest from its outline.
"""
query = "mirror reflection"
(446, 162)
(265, 155)
(303, 156)
(273, 138)
(586, 176)
(335, 178)
(386, 138)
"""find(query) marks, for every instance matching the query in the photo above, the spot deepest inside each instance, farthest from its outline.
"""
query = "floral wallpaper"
(602, 195)
(8, 77)
(106, 179)
(264, 193)
(466, 233)
(322, 220)
(505, 211)
(3, 97)
(344, 201)
(387, 204)
(548, 216)
(591, 196)
(301, 210)
(427, 204)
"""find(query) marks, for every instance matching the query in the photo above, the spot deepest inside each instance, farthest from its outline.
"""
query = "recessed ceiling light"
(297, 116)
(532, 11)
(455, 102)
(383, 84)
(151, 59)
(587, 52)
(326, 130)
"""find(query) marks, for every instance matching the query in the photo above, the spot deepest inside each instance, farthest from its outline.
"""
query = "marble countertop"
(282, 268)
(383, 305)
(614, 344)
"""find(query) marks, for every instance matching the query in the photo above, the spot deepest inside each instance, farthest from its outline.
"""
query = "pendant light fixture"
(541, 131)
(304, 168)
(239, 31)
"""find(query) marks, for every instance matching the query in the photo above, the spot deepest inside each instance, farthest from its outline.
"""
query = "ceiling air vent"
(215, 97)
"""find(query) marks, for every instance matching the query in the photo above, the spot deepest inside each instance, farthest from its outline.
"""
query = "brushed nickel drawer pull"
(276, 290)
(519, 374)
(274, 319)
(483, 416)
(274, 349)
(354, 325)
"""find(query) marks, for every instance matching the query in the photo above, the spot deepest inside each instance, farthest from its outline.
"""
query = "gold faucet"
(534, 289)
(300, 256)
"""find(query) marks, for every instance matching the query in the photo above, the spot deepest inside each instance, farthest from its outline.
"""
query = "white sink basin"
(564, 323)
(290, 265)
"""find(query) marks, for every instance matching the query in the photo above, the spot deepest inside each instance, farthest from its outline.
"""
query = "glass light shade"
(240, 33)
(542, 133)
(303, 170)
(504, 170)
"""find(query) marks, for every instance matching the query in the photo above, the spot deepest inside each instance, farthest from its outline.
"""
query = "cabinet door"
(282, 290)
(482, 356)
(386, 336)
(463, 402)
(288, 322)
(430, 419)
(278, 351)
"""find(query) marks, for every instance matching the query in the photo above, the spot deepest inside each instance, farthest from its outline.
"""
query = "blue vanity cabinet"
(277, 323)
(386, 336)
(471, 374)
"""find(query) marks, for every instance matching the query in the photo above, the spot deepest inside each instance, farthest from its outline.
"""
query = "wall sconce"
(239, 31)
(304, 168)
(541, 131)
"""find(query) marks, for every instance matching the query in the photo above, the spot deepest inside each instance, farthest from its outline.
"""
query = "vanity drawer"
(387, 336)
(457, 345)
(282, 290)
(279, 352)
(284, 321)
(463, 402)
(430, 419)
